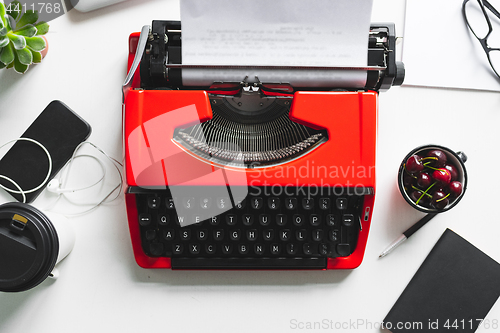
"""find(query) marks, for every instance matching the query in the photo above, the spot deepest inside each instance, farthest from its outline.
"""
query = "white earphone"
(21, 191)
(56, 185)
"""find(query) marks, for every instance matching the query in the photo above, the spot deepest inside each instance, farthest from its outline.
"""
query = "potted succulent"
(21, 41)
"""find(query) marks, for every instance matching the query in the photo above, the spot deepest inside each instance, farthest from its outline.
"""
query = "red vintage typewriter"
(249, 175)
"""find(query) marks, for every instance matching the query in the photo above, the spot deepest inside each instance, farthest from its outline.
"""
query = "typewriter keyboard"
(201, 228)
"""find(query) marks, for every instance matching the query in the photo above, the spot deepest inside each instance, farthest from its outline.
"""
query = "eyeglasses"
(477, 15)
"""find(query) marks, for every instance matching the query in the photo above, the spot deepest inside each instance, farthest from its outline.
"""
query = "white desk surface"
(101, 288)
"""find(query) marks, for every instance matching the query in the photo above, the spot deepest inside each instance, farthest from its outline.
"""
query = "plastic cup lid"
(28, 247)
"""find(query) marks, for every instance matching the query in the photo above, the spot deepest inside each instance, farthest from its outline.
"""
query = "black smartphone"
(60, 131)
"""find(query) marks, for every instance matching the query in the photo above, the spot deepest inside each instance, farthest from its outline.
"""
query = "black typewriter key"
(170, 203)
(268, 234)
(194, 248)
(197, 220)
(156, 249)
(235, 235)
(240, 205)
(230, 219)
(291, 203)
(307, 248)
(273, 203)
(317, 235)
(252, 235)
(144, 219)
(264, 219)
(324, 203)
(298, 220)
(281, 219)
(291, 249)
(205, 203)
(188, 203)
(248, 219)
(285, 235)
(201, 235)
(243, 249)
(315, 220)
(163, 219)
(258, 249)
(341, 203)
(333, 235)
(307, 203)
(301, 235)
(348, 220)
(150, 234)
(323, 249)
(215, 220)
(227, 248)
(256, 203)
(218, 235)
(177, 248)
(330, 220)
(210, 248)
(153, 202)
(186, 234)
(343, 249)
(168, 234)
(180, 218)
(275, 249)
(223, 203)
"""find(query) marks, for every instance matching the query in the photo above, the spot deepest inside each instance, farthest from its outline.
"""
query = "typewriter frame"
(349, 108)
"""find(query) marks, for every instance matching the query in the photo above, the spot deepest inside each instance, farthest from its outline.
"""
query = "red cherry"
(453, 171)
(414, 164)
(440, 156)
(442, 176)
(439, 200)
(455, 188)
(424, 180)
(439, 187)
(415, 196)
(408, 179)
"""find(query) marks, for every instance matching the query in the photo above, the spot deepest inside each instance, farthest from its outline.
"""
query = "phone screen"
(60, 131)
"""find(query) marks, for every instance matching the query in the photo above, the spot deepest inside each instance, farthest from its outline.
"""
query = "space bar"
(248, 263)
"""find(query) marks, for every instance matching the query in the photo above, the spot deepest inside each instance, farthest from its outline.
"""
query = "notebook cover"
(453, 290)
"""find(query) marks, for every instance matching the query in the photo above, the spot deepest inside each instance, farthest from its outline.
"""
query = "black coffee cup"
(31, 245)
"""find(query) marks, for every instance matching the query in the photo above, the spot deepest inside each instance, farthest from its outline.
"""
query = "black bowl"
(457, 159)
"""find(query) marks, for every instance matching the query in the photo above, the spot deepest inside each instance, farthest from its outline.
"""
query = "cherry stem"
(429, 158)
(416, 188)
(408, 172)
(425, 192)
(425, 164)
(443, 197)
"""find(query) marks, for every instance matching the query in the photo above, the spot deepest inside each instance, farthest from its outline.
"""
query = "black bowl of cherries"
(433, 178)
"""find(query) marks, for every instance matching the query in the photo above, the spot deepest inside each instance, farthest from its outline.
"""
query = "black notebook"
(452, 291)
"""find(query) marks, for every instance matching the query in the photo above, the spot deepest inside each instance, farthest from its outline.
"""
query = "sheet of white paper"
(440, 51)
(275, 33)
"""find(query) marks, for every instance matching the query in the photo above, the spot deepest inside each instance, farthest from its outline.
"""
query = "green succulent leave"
(20, 44)
(37, 57)
(4, 40)
(16, 5)
(35, 43)
(7, 55)
(27, 31)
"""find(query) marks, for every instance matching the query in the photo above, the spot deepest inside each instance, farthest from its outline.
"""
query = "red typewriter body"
(155, 161)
